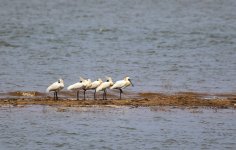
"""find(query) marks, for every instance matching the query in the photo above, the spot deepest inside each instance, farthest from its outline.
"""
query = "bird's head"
(81, 79)
(100, 80)
(109, 79)
(126, 78)
(60, 81)
(129, 80)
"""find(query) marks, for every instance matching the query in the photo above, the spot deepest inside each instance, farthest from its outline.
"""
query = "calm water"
(39, 128)
(178, 45)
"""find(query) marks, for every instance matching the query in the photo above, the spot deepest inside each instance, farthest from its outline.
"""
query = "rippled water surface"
(178, 45)
(44, 127)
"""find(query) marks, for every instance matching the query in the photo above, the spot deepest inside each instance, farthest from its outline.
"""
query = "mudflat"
(187, 99)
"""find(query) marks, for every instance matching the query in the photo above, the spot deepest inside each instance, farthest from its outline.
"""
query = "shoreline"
(181, 99)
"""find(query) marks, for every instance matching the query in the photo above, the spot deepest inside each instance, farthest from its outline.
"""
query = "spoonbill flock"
(87, 84)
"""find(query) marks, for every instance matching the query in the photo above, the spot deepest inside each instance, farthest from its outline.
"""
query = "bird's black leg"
(95, 95)
(120, 92)
(105, 94)
(84, 94)
(56, 96)
(77, 95)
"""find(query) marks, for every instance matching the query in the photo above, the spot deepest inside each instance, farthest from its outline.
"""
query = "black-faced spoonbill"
(104, 86)
(87, 85)
(122, 84)
(77, 87)
(56, 87)
(94, 85)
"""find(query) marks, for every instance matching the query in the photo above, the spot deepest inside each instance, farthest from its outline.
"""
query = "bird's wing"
(118, 84)
(95, 84)
(99, 88)
(53, 87)
(76, 86)
(103, 86)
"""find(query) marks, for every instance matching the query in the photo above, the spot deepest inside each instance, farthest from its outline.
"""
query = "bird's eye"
(80, 81)
(107, 80)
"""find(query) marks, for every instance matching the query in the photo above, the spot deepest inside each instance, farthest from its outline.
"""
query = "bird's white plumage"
(119, 84)
(105, 85)
(87, 84)
(122, 83)
(77, 86)
(56, 86)
(95, 84)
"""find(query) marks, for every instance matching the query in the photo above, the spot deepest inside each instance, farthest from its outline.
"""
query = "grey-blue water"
(44, 127)
(177, 45)
(163, 45)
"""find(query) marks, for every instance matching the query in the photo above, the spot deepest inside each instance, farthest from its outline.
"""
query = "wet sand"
(185, 99)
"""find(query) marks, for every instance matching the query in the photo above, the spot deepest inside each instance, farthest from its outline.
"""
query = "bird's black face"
(130, 82)
(80, 81)
(107, 80)
(58, 81)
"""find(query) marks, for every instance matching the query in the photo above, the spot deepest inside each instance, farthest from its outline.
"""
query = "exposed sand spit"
(141, 99)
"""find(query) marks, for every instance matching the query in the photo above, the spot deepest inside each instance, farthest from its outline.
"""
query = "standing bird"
(87, 85)
(77, 87)
(104, 86)
(56, 87)
(94, 85)
(122, 84)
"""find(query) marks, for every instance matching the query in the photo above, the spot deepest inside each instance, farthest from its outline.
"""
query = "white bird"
(122, 84)
(104, 86)
(56, 87)
(87, 85)
(94, 85)
(77, 87)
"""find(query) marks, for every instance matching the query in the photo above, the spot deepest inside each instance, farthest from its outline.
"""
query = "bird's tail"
(112, 87)
(99, 88)
(69, 87)
(47, 90)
